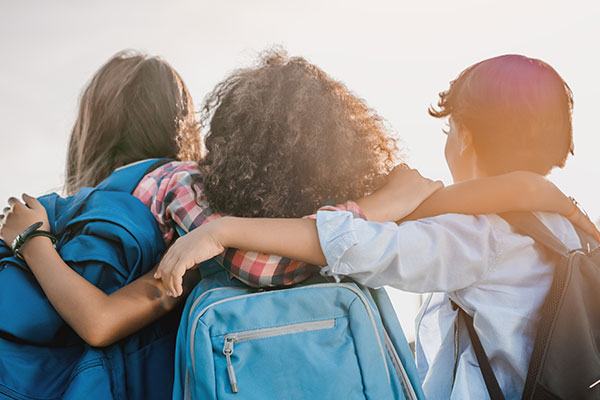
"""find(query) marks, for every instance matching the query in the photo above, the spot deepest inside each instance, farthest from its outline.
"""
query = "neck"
(469, 168)
(473, 172)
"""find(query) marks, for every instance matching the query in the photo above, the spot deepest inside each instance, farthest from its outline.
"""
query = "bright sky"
(397, 55)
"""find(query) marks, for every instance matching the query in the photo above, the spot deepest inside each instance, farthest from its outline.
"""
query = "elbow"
(98, 332)
(95, 340)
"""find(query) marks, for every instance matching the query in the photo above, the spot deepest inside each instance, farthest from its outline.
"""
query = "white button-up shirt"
(499, 277)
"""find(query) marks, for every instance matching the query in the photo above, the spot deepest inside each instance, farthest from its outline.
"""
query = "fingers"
(400, 168)
(178, 273)
(165, 272)
(171, 273)
(31, 202)
(164, 263)
(168, 280)
(584, 222)
(14, 202)
(6, 212)
(173, 280)
(16, 205)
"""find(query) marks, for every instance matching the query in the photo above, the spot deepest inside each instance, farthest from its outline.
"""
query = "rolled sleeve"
(443, 253)
(336, 236)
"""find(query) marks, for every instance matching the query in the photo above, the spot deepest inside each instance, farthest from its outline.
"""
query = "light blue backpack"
(313, 341)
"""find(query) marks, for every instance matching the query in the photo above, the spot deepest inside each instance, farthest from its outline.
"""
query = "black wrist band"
(27, 234)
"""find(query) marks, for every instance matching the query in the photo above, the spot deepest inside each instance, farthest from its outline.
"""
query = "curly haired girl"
(282, 139)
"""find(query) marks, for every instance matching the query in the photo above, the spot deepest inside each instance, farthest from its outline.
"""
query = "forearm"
(446, 253)
(292, 238)
(516, 191)
(98, 318)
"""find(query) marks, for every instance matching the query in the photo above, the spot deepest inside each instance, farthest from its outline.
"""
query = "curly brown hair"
(283, 138)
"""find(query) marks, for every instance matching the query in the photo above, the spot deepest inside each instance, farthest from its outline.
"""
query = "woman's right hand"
(579, 218)
(188, 251)
(403, 191)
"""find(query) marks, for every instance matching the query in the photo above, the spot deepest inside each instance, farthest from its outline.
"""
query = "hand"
(579, 218)
(188, 251)
(401, 194)
(19, 216)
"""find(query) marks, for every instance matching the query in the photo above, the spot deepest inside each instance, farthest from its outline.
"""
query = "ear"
(465, 140)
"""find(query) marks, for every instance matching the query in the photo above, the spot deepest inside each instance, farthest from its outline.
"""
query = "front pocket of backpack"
(312, 359)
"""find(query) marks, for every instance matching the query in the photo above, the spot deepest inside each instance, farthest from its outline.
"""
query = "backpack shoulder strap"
(528, 224)
(489, 377)
(126, 179)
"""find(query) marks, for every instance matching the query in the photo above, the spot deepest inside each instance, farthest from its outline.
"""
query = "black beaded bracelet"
(27, 234)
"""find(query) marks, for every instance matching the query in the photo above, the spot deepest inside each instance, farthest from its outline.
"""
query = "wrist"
(29, 233)
(379, 206)
(35, 245)
(369, 206)
(221, 229)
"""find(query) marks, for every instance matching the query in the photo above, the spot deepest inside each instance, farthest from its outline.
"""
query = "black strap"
(529, 225)
(485, 367)
(158, 164)
(526, 224)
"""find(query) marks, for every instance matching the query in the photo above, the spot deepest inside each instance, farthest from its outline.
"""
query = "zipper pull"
(228, 351)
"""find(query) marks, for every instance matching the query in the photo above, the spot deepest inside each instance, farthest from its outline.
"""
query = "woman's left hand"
(18, 216)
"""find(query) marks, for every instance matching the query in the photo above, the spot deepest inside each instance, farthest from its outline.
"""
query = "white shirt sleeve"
(438, 254)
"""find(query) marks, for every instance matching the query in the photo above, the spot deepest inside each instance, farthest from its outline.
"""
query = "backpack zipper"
(409, 391)
(199, 298)
(342, 285)
(263, 333)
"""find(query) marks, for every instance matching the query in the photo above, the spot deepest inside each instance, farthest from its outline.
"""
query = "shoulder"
(561, 227)
(498, 233)
(462, 224)
(496, 225)
(172, 169)
(172, 177)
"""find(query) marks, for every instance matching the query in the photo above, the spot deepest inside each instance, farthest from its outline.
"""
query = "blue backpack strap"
(126, 179)
(394, 330)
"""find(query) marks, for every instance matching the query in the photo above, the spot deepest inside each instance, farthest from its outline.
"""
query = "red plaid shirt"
(176, 201)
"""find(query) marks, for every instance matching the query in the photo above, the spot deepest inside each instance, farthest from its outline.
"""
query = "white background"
(397, 55)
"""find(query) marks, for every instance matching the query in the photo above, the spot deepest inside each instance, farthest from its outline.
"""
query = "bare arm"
(298, 239)
(515, 191)
(98, 318)
(293, 238)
